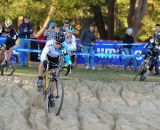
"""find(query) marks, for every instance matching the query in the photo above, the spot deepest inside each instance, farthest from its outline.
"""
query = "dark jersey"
(12, 36)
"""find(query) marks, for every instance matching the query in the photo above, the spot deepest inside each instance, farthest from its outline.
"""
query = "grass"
(102, 75)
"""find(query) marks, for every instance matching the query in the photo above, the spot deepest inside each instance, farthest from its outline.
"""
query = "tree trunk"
(111, 8)
(99, 21)
(136, 13)
(46, 22)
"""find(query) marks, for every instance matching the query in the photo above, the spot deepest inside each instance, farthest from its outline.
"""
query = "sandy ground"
(88, 105)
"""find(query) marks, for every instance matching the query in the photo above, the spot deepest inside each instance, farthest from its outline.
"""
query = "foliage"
(38, 10)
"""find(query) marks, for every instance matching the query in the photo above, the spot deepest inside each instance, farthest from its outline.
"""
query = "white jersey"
(71, 43)
(50, 50)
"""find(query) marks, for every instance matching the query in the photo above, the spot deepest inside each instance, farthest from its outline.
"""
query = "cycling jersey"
(50, 50)
(12, 36)
(70, 42)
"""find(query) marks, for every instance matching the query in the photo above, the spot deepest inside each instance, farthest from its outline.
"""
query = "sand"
(88, 105)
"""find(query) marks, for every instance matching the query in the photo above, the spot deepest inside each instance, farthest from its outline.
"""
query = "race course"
(94, 100)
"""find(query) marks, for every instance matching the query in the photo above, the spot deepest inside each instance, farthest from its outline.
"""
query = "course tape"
(82, 54)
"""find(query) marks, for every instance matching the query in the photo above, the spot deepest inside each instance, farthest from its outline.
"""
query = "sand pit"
(88, 105)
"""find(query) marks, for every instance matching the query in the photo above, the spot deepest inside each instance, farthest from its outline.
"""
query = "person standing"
(128, 50)
(50, 31)
(25, 32)
(156, 34)
(87, 40)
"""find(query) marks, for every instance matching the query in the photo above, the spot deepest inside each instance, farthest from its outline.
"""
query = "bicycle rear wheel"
(142, 77)
(59, 94)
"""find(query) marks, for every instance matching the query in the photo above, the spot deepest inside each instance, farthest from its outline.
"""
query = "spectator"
(128, 49)
(87, 40)
(51, 31)
(157, 33)
(25, 31)
(65, 25)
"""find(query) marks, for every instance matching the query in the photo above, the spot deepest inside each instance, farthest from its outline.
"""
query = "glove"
(64, 52)
(45, 64)
(152, 40)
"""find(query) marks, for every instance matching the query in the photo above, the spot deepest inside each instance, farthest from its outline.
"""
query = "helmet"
(8, 23)
(51, 24)
(59, 37)
(70, 29)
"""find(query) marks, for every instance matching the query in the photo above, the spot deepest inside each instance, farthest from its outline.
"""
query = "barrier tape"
(78, 53)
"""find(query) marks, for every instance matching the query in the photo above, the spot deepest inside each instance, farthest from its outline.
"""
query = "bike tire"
(135, 77)
(59, 97)
(7, 71)
(142, 78)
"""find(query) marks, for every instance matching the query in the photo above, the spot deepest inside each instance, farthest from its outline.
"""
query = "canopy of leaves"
(73, 9)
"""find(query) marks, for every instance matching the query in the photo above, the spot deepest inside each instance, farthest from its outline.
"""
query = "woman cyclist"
(70, 43)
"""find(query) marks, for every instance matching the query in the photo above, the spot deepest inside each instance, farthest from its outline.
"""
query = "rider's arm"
(45, 51)
(14, 35)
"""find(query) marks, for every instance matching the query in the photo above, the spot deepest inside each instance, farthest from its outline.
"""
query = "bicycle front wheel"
(7, 70)
(58, 88)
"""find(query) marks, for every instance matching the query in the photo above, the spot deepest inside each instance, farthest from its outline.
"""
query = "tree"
(136, 13)
(99, 21)
(111, 17)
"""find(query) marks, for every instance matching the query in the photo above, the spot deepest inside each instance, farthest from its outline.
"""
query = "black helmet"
(59, 37)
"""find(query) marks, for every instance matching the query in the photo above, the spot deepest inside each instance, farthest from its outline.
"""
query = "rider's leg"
(40, 73)
(149, 69)
(2, 54)
(9, 53)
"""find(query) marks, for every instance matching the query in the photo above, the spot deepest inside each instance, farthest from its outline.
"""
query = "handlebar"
(69, 67)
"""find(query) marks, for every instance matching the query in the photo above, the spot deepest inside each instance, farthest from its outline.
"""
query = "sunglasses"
(7, 29)
(53, 27)
(58, 43)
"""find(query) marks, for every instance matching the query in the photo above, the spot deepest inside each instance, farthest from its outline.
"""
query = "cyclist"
(51, 52)
(152, 52)
(11, 36)
(70, 42)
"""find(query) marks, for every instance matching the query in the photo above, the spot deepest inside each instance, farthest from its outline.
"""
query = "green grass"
(102, 75)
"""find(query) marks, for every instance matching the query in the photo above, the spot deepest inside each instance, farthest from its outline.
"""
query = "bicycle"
(52, 77)
(8, 70)
(143, 68)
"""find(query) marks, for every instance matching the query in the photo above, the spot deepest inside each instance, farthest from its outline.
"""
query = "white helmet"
(70, 29)
(8, 23)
